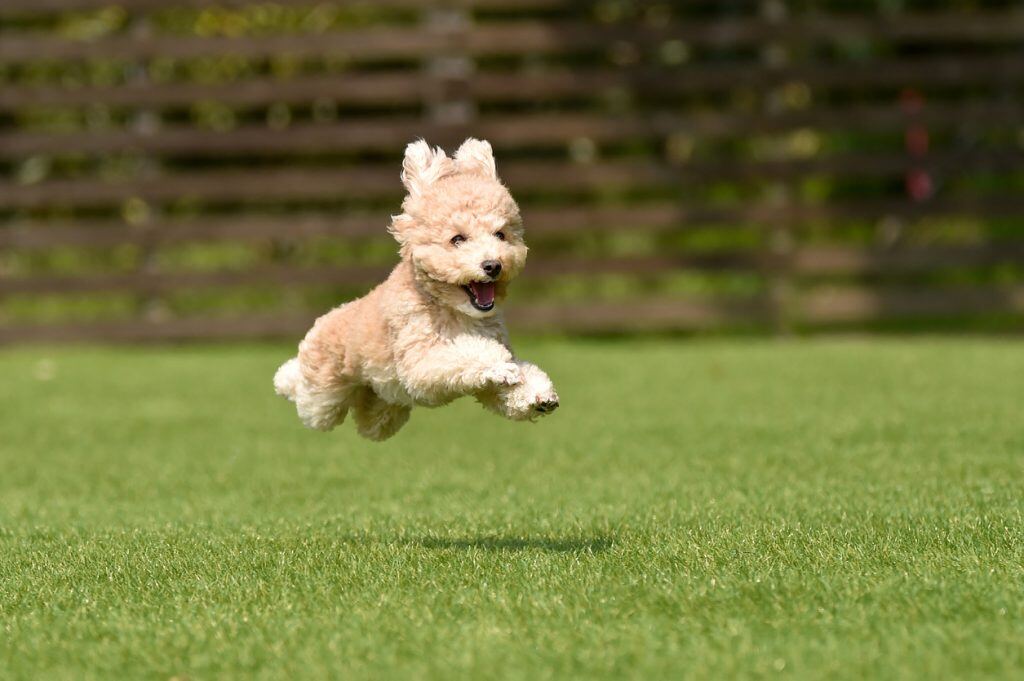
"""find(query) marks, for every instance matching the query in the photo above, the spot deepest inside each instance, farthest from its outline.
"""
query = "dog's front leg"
(466, 365)
(533, 396)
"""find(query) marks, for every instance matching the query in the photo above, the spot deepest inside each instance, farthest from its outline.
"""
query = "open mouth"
(481, 294)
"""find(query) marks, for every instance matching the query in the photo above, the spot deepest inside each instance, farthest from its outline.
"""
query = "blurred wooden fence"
(199, 169)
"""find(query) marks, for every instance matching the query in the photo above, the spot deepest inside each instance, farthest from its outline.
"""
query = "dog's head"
(459, 226)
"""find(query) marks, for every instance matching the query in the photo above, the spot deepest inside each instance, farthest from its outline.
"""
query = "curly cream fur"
(417, 339)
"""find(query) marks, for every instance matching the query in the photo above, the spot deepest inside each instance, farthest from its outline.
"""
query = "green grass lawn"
(834, 509)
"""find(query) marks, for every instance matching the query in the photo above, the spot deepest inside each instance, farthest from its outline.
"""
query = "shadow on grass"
(498, 543)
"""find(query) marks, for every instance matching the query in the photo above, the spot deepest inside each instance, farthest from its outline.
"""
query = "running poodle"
(432, 331)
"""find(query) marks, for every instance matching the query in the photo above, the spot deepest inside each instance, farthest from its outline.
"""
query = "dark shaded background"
(200, 169)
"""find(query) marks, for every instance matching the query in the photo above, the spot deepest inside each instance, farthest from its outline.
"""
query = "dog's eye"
(457, 239)
(500, 235)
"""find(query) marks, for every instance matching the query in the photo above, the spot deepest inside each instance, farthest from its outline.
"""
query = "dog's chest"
(382, 377)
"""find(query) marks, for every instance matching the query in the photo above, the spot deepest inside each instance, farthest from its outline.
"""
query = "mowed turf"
(833, 509)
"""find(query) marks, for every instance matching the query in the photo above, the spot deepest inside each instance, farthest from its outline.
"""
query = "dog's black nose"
(492, 268)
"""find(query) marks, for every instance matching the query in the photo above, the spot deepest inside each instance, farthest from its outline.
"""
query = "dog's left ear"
(476, 156)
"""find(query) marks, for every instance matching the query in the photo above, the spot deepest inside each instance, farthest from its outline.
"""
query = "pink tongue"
(484, 291)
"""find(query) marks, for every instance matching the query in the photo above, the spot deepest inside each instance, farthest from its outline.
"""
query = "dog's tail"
(287, 378)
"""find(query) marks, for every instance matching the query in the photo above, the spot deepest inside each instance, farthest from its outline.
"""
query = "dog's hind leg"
(319, 408)
(376, 419)
(321, 400)
(319, 380)
(322, 409)
(287, 379)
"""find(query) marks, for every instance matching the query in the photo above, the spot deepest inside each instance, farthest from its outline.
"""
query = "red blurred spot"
(918, 182)
(919, 185)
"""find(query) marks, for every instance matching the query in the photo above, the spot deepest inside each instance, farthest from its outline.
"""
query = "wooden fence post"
(779, 237)
(448, 71)
(138, 213)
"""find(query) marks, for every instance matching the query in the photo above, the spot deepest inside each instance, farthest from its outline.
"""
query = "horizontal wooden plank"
(163, 282)
(410, 87)
(352, 275)
(872, 208)
(673, 314)
(241, 228)
(304, 184)
(365, 43)
(831, 306)
(940, 26)
(379, 88)
(833, 261)
(188, 141)
(235, 185)
(627, 315)
(540, 221)
(558, 83)
(813, 260)
(526, 37)
(249, 327)
(504, 132)
(39, 7)
(838, 305)
(816, 261)
(249, 228)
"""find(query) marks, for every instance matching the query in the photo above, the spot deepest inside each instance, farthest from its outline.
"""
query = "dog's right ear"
(424, 166)
(400, 226)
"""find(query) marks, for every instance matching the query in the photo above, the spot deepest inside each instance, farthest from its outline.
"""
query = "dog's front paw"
(544, 403)
(546, 406)
(507, 373)
(531, 399)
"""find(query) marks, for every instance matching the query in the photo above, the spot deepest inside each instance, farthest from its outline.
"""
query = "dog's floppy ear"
(400, 226)
(423, 166)
(476, 156)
